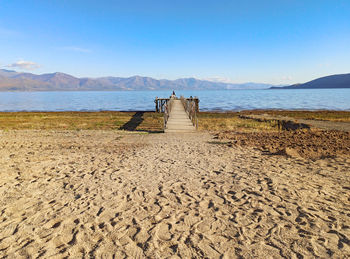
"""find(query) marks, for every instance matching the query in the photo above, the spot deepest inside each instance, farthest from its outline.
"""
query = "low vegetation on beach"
(131, 121)
(339, 116)
(104, 120)
(153, 122)
(213, 121)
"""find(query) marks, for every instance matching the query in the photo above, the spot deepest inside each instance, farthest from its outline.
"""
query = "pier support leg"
(197, 104)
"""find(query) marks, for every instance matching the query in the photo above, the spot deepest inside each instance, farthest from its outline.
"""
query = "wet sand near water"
(97, 194)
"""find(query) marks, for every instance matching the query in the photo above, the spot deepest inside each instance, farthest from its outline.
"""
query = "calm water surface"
(330, 99)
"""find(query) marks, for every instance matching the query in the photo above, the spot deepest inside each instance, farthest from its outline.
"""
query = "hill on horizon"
(16, 81)
(332, 81)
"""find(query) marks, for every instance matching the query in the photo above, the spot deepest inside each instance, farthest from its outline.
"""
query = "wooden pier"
(180, 114)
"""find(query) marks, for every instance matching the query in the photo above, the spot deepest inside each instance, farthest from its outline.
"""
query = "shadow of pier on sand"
(134, 122)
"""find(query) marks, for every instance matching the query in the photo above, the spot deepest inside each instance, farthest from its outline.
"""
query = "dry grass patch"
(341, 116)
(212, 121)
(106, 120)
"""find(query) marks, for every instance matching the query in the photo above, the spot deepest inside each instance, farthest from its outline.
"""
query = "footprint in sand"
(163, 232)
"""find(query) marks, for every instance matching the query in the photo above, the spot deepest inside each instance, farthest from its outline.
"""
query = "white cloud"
(220, 80)
(287, 78)
(76, 49)
(26, 65)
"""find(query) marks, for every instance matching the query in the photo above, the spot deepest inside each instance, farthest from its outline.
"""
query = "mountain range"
(16, 81)
(11, 80)
(333, 81)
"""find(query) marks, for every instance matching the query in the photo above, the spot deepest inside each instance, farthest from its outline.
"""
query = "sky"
(270, 41)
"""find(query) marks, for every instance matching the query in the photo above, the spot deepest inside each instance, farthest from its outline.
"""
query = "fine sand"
(96, 194)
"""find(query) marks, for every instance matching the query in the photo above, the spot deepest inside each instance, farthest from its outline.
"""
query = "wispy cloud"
(26, 65)
(219, 80)
(76, 49)
(286, 78)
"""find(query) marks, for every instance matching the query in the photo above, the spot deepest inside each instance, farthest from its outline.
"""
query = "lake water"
(235, 100)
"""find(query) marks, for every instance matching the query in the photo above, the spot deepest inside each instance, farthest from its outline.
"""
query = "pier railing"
(160, 104)
(191, 108)
(167, 109)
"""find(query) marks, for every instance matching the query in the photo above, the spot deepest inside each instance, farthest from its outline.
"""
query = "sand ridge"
(98, 194)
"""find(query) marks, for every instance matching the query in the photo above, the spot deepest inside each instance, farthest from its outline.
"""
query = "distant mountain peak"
(326, 82)
(58, 74)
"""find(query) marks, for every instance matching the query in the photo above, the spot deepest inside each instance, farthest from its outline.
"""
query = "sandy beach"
(99, 194)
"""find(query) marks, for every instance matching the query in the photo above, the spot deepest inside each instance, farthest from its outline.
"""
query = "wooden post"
(196, 100)
(160, 103)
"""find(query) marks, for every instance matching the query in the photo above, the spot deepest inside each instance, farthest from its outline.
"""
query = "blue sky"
(270, 41)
